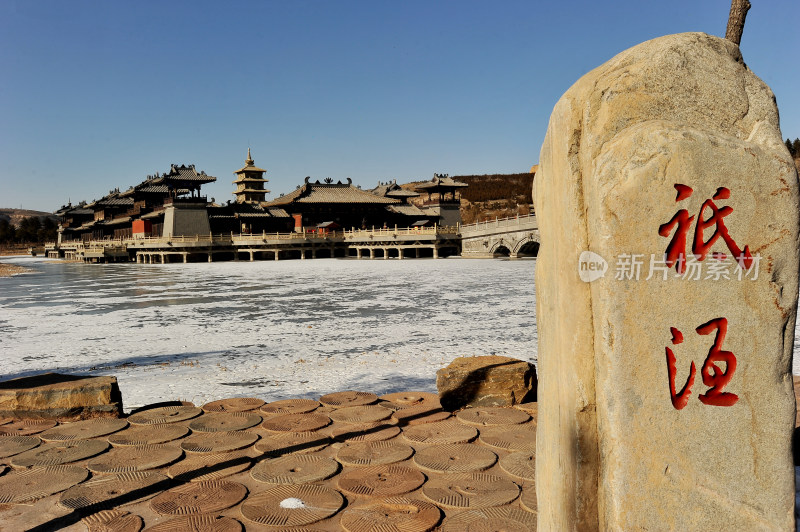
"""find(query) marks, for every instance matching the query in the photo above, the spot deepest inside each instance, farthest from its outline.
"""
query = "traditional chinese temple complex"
(147, 221)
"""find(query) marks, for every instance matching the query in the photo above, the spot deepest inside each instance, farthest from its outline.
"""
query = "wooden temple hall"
(165, 218)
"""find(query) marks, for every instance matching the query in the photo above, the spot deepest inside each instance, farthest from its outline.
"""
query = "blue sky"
(97, 94)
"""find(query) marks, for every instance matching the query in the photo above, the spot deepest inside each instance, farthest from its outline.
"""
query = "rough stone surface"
(613, 452)
(64, 397)
(486, 381)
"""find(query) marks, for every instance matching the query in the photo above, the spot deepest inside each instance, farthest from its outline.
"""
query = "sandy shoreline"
(7, 270)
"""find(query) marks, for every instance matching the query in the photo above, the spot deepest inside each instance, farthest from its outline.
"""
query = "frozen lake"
(273, 330)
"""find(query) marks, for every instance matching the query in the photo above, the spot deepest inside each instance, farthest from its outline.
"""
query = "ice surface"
(273, 330)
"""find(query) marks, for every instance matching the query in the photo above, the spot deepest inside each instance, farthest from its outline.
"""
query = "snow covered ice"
(273, 330)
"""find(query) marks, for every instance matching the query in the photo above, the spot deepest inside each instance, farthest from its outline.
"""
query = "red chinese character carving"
(678, 400)
(712, 375)
(718, 379)
(676, 249)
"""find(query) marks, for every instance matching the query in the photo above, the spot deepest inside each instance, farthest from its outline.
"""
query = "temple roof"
(407, 210)
(112, 200)
(249, 165)
(118, 221)
(330, 192)
(147, 188)
(244, 179)
(440, 181)
(251, 191)
(182, 173)
(393, 190)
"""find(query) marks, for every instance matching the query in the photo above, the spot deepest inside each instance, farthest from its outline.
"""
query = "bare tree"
(736, 18)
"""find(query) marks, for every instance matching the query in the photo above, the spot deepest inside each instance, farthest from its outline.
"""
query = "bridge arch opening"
(529, 249)
(501, 251)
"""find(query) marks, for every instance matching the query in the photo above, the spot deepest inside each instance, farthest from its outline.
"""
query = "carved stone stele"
(665, 394)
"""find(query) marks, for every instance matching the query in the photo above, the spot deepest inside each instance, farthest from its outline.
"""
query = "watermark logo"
(591, 266)
(635, 267)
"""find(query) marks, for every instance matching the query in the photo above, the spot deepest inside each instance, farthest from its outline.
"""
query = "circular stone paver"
(294, 469)
(113, 521)
(365, 432)
(26, 427)
(11, 445)
(199, 497)
(290, 406)
(279, 444)
(492, 415)
(225, 422)
(471, 490)
(57, 453)
(203, 467)
(292, 505)
(372, 453)
(391, 514)
(165, 414)
(110, 491)
(381, 481)
(510, 438)
(449, 431)
(148, 434)
(507, 519)
(361, 414)
(407, 399)
(30, 484)
(521, 465)
(296, 422)
(84, 430)
(135, 458)
(195, 523)
(417, 415)
(348, 398)
(455, 458)
(531, 408)
(234, 404)
(528, 498)
(218, 442)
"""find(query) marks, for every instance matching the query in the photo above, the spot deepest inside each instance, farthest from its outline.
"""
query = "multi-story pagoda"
(250, 182)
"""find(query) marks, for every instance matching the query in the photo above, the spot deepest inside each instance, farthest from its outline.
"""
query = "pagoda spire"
(249, 161)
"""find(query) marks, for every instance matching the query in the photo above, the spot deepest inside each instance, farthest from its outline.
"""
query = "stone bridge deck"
(512, 237)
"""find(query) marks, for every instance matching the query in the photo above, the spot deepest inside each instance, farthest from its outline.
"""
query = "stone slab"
(62, 397)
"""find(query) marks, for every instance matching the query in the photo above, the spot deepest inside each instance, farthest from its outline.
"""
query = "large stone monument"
(666, 297)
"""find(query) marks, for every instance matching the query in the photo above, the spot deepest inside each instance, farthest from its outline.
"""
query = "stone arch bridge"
(508, 237)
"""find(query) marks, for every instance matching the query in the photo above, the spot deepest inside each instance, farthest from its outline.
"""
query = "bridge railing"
(230, 238)
(510, 221)
(401, 231)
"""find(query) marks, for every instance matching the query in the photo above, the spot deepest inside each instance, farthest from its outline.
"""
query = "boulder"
(486, 381)
(63, 397)
(667, 285)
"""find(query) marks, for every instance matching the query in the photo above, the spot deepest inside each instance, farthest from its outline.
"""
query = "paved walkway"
(350, 461)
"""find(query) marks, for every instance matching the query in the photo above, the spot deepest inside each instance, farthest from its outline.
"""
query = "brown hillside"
(15, 216)
(492, 195)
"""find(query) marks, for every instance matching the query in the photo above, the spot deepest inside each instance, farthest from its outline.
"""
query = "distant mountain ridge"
(15, 216)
